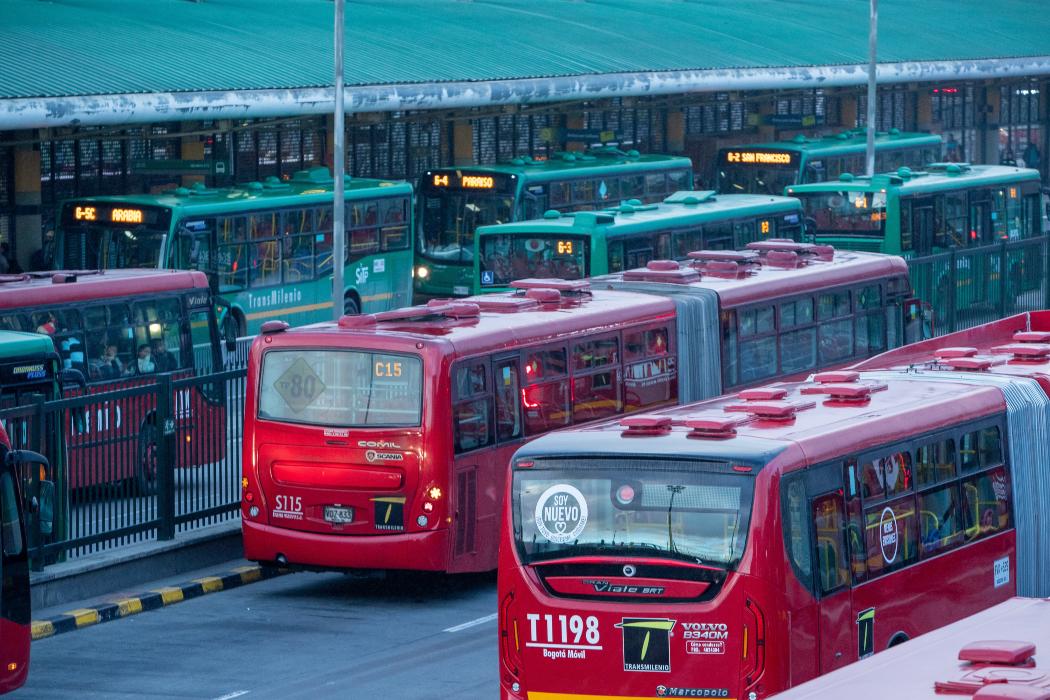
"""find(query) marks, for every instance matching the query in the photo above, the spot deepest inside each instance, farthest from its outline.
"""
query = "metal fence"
(137, 463)
(970, 286)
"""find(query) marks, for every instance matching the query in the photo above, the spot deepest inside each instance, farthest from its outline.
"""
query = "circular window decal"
(888, 535)
(561, 513)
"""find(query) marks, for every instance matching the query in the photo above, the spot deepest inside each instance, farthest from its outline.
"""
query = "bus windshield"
(521, 256)
(845, 213)
(341, 388)
(752, 178)
(450, 218)
(691, 515)
(110, 247)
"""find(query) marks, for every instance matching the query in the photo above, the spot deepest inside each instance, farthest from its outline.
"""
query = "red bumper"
(420, 551)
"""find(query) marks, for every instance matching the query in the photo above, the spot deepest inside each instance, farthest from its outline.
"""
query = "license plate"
(460, 290)
(337, 514)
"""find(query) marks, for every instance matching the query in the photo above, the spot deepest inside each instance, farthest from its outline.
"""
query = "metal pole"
(338, 229)
(873, 33)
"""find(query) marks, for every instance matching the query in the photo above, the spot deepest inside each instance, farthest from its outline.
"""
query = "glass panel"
(508, 407)
(546, 407)
(985, 503)
(341, 388)
(473, 424)
(596, 396)
(11, 517)
(798, 350)
(158, 336)
(512, 257)
(833, 305)
(696, 516)
(756, 321)
(891, 535)
(836, 341)
(934, 463)
(544, 364)
(470, 380)
(758, 359)
(297, 258)
(832, 562)
(595, 353)
(939, 527)
(845, 213)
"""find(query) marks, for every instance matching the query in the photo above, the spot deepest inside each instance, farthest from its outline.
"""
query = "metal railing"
(970, 286)
(132, 464)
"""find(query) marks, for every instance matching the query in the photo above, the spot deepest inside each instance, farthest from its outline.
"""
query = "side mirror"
(72, 377)
(44, 506)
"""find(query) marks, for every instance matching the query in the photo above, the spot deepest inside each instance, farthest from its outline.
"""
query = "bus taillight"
(754, 645)
(510, 643)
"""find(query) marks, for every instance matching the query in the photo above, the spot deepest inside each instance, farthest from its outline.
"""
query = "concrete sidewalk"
(122, 568)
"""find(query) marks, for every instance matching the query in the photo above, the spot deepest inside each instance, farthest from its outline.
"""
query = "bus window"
(110, 341)
(633, 187)
(934, 463)
(730, 349)
(158, 336)
(985, 503)
(560, 194)
(870, 324)
(265, 263)
(981, 231)
(508, 408)
(655, 185)
(890, 535)
(980, 449)
(323, 242)
(718, 236)
(796, 531)
(744, 233)
(583, 191)
(939, 527)
(686, 241)
(638, 251)
(652, 380)
(678, 180)
(955, 225)
(394, 234)
(829, 526)
(836, 328)
(596, 394)
(472, 409)
(854, 523)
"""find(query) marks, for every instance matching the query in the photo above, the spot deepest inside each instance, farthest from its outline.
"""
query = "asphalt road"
(413, 637)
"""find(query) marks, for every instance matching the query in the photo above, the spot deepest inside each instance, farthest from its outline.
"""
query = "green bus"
(454, 202)
(589, 243)
(265, 246)
(957, 225)
(768, 168)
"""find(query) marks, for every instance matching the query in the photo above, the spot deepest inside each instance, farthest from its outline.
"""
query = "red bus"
(1000, 653)
(382, 441)
(119, 329)
(739, 546)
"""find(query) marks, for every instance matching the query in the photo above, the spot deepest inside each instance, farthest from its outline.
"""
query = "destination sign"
(121, 214)
(459, 180)
(759, 157)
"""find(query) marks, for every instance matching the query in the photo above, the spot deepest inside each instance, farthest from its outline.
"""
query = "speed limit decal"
(561, 513)
(299, 385)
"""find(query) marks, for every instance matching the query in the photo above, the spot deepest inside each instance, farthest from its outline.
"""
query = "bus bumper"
(418, 551)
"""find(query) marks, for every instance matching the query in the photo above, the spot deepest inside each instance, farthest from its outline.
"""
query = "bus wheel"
(350, 307)
(146, 466)
(899, 638)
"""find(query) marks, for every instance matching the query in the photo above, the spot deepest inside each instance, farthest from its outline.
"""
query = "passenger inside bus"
(144, 363)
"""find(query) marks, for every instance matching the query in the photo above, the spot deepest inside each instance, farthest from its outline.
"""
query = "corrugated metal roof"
(88, 47)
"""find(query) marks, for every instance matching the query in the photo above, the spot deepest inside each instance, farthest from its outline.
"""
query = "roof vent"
(499, 303)
(952, 169)
(357, 321)
(63, 278)
(782, 411)
(949, 353)
(593, 218)
(1032, 336)
(1006, 652)
(904, 172)
(667, 271)
(552, 214)
(724, 270)
(646, 425)
(566, 287)
(786, 245)
(274, 327)
(965, 359)
(713, 425)
(736, 256)
(799, 138)
(843, 376)
(789, 260)
(1025, 352)
(435, 307)
(544, 296)
(768, 393)
(691, 197)
(847, 393)
(8, 279)
(846, 177)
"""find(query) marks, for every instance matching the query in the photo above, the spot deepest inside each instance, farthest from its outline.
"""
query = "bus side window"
(508, 408)
(394, 234)
(829, 528)
(797, 537)
(686, 241)
(13, 322)
(596, 379)
(985, 503)
(744, 233)
(472, 407)
(678, 180)
(854, 522)
(654, 379)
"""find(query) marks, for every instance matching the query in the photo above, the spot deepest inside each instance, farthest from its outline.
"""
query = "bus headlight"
(253, 511)
(422, 272)
(422, 521)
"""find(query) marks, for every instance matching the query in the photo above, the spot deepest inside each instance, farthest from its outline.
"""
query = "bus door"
(832, 580)
(978, 275)
(922, 226)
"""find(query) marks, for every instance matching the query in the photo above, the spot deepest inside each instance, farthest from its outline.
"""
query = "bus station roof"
(72, 62)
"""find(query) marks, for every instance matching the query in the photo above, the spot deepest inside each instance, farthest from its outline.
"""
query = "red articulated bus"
(382, 442)
(119, 329)
(1002, 653)
(736, 547)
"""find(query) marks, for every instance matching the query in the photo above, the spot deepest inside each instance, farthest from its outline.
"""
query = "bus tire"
(898, 638)
(351, 307)
(146, 464)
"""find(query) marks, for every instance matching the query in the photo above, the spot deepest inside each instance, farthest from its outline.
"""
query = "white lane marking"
(234, 694)
(473, 623)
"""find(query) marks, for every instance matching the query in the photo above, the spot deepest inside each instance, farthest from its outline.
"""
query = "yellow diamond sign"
(299, 385)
